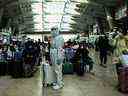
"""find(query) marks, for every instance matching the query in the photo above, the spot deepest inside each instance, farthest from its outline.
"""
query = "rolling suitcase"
(123, 79)
(27, 70)
(68, 68)
(28, 66)
(17, 69)
(48, 74)
(3, 68)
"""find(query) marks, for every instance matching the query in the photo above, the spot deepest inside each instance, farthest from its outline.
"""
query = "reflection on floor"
(103, 83)
(88, 85)
(21, 87)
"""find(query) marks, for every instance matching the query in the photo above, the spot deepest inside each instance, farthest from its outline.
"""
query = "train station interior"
(63, 47)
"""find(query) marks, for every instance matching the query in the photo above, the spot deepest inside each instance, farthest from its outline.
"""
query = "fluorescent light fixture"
(37, 8)
(78, 1)
(54, 10)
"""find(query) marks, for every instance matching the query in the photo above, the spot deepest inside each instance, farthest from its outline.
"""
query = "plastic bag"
(124, 59)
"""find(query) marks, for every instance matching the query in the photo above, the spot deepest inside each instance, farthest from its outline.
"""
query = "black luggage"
(3, 68)
(27, 70)
(28, 65)
(79, 68)
(10, 67)
(17, 69)
(123, 79)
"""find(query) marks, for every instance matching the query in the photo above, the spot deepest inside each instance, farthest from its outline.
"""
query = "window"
(37, 9)
(58, 13)
(50, 13)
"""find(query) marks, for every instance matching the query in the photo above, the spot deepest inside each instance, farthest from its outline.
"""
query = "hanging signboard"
(6, 33)
(122, 12)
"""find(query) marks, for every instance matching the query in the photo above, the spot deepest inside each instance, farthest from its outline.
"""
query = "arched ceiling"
(41, 15)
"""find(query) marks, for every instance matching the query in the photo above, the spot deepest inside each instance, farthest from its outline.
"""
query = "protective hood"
(54, 32)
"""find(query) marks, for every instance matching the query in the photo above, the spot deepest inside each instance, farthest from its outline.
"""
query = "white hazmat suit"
(57, 56)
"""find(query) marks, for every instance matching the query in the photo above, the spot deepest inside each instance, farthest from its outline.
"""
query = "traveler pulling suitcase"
(123, 79)
(48, 74)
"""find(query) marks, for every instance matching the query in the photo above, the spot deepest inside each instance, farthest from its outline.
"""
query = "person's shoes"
(101, 64)
(54, 84)
(104, 66)
(92, 72)
(57, 87)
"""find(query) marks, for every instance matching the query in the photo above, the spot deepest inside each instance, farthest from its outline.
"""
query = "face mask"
(55, 33)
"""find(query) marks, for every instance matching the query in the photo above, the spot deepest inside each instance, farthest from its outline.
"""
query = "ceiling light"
(79, 1)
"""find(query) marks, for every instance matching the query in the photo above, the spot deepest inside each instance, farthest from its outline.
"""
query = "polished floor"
(102, 83)
(21, 87)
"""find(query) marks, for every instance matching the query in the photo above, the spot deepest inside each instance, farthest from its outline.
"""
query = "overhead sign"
(122, 12)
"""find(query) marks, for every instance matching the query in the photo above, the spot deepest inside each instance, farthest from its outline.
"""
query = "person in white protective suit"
(57, 57)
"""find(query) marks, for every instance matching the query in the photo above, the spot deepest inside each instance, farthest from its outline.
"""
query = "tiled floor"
(101, 84)
(88, 85)
(21, 87)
